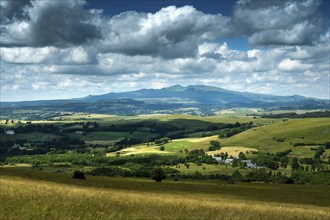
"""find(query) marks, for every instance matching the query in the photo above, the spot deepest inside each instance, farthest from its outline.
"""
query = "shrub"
(78, 175)
(158, 174)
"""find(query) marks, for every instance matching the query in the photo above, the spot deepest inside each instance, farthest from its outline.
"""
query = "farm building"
(10, 132)
(218, 159)
(229, 161)
(252, 166)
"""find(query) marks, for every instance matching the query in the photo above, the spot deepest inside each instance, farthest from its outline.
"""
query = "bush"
(78, 175)
(158, 174)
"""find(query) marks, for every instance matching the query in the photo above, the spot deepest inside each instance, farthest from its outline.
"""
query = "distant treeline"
(233, 129)
(318, 114)
(141, 165)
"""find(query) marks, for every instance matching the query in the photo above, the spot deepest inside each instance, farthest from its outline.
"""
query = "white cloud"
(46, 55)
(176, 45)
(77, 55)
(289, 22)
(50, 23)
(293, 65)
(171, 32)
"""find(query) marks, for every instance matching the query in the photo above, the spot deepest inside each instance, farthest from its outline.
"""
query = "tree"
(163, 140)
(295, 165)
(78, 175)
(319, 152)
(236, 175)
(327, 145)
(36, 165)
(162, 148)
(284, 162)
(236, 162)
(241, 156)
(158, 174)
(215, 145)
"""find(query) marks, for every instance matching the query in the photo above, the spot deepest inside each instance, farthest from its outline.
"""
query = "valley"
(242, 162)
(181, 144)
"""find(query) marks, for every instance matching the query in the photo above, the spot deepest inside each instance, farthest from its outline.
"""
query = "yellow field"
(232, 151)
(197, 140)
(139, 149)
(94, 198)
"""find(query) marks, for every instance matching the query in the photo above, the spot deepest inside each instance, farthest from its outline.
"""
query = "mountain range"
(174, 99)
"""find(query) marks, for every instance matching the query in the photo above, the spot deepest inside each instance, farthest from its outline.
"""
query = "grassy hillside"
(307, 131)
(39, 195)
(263, 138)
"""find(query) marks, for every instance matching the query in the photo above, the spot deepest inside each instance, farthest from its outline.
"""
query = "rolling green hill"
(266, 138)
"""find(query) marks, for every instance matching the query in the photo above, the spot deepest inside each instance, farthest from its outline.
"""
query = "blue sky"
(114, 7)
(66, 49)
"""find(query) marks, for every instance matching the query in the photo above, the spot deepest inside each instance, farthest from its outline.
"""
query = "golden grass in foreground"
(23, 198)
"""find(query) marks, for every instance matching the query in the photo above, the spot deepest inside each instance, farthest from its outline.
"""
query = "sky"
(59, 49)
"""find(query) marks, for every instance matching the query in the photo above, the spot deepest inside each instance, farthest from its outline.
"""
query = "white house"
(229, 161)
(252, 166)
(10, 132)
(218, 159)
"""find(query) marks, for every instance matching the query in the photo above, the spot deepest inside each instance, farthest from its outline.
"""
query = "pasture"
(27, 194)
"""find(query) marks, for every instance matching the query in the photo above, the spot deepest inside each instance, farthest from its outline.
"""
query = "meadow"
(311, 131)
(30, 194)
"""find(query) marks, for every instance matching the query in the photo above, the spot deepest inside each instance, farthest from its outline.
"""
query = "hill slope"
(41, 195)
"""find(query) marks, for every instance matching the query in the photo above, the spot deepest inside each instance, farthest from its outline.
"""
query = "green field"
(294, 131)
(309, 131)
(27, 194)
(34, 136)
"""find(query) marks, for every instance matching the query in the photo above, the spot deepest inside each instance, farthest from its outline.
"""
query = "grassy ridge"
(39, 195)
(263, 138)
(294, 131)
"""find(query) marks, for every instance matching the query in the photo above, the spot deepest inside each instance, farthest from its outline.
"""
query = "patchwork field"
(263, 138)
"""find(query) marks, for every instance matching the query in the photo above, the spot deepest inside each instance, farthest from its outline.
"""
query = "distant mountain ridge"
(197, 94)
(172, 100)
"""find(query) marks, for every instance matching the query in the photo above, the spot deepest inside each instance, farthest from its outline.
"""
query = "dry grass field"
(27, 194)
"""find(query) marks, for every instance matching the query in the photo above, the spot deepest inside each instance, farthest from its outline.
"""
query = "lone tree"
(241, 156)
(294, 164)
(78, 175)
(158, 174)
(215, 145)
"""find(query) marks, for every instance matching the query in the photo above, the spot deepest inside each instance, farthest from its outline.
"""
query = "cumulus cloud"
(51, 23)
(293, 65)
(60, 46)
(292, 22)
(49, 55)
(13, 10)
(171, 32)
